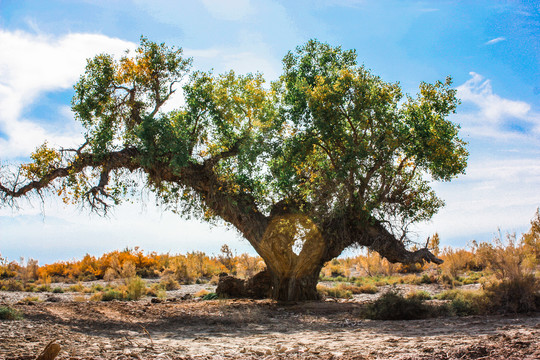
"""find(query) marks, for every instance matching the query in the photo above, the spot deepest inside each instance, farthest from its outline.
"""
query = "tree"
(327, 157)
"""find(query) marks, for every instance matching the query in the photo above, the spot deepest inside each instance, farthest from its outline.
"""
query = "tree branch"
(126, 158)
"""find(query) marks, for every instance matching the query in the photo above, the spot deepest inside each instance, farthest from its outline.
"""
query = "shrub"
(465, 302)
(210, 296)
(111, 294)
(420, 295)
(156, 290)
(12, 285)
(367, 289)
(135, 288)
(58, 290)
(96, 297)
(427, 279)
(7, 313)
(362, 289)
(43, 288)
(393, 306)
(462, 306)
(456, 261)
(169, 283)
(29, 299)
(96, 288)
(517, 295)
(336, 292)
(76, 288)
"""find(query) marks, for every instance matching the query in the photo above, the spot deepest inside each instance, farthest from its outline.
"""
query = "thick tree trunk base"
(265, 285)
(295, 289)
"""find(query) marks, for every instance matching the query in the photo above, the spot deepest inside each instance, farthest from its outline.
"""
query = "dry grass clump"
(169, 283)
(201, 293)
(359, 289)
(393, 306)
(334, 291)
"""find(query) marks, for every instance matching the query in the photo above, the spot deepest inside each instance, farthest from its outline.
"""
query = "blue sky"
(490, 48)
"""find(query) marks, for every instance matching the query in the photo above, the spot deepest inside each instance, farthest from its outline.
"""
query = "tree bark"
(295, 288)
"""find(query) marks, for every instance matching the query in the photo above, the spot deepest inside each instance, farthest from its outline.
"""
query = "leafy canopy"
(327, 138)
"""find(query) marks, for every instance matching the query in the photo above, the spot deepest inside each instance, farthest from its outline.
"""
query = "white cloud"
(500, 192)
(494, 41)
(492, 111)
(32, 65)
(228, 10)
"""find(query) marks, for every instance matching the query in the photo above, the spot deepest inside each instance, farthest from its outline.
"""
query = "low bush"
(96, 288)
(393, 306)
(76, 288)
(465, 302)
(111, 294)
(169, 283)
(210, 296)
(58, 290)
(135, 288)
(43, 288)
(8, 313)
(362, 289)
(11, 285)
(419, 295)
(335, 292)
(29, 300)
(517, 295)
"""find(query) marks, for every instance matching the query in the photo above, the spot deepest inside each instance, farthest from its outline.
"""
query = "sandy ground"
(247, 329)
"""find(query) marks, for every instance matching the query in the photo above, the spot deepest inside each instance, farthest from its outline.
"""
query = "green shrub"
(7, 313)
(336, 292)
(465, 302)
(420, 295)
(463, 306)
(111, 294)
(517, 295)
(58, 290)
(426, 279)
(393, 306)
(43, 288)
(11, 285)
(96, 288)
(135, 288)
(210, 296)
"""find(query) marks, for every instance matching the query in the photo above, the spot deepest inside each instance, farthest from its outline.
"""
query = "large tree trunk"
(295, 288)
(294, 252)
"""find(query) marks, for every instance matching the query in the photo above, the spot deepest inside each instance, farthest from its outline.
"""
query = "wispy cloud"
(493, 115)
(497, 192)
(496, 40)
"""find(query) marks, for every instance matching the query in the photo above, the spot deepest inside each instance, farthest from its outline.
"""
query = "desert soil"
(249, 329)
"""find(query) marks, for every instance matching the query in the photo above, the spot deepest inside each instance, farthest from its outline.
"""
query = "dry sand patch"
(246, 329)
